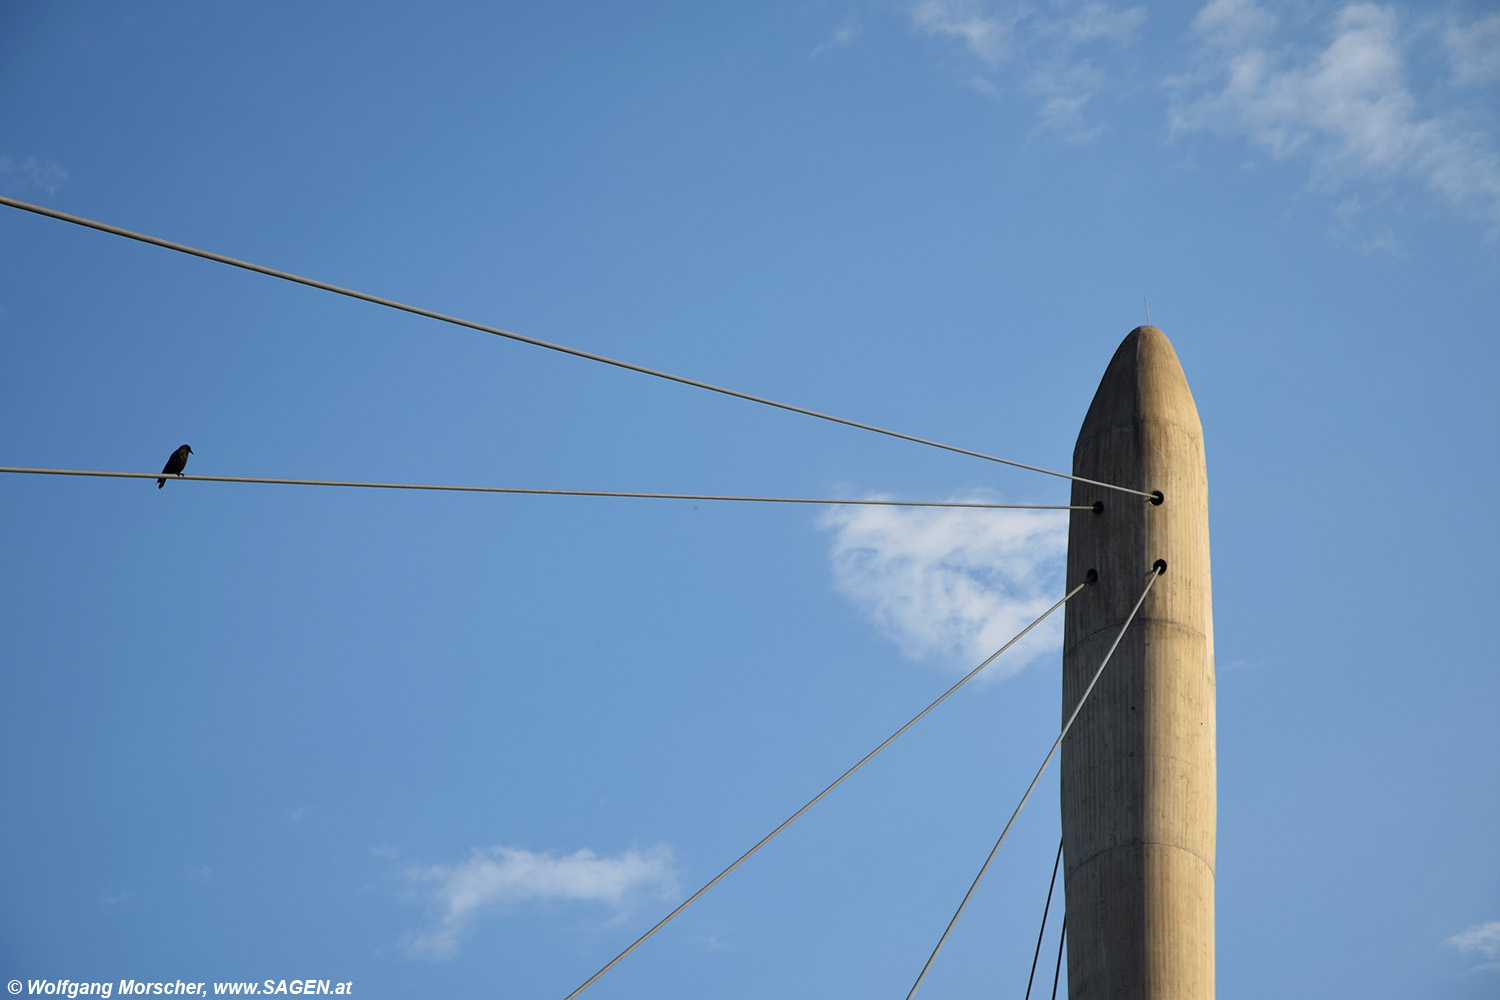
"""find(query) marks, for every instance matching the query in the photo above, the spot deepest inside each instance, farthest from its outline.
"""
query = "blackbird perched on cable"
(175, 464)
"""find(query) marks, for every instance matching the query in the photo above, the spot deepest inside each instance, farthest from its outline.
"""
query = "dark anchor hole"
(1160, 566)
(1098, 506)
(1092, 577)
(1156, 498)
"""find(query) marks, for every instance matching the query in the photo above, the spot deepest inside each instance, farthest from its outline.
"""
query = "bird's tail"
(160, 483)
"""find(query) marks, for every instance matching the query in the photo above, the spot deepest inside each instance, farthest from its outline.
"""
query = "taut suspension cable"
(787, 822)
(105, 227)
(1043, 929)
(189, 477)
(1156, 571)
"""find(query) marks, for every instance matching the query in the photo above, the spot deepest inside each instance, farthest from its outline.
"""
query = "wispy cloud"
(952, 585)
(842, 36)
(25, 175)
(1482, 940)
(1347, 108)
(1039, 49)
(1473, 49)
(1354, 227)
(985, 32)
(1065, 89)
(1093, 22)
(498, 877)
(1232, 25)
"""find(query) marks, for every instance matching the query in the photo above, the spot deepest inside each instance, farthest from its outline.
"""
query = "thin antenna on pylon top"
(1148, 310)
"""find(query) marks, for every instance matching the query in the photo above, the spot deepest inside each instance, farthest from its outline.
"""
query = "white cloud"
(1065, 88)
(844, 35)
(1355, 230)
(498, 877)
(1346, 108)
(983, 85)
(1474, 50)
(1481, 938)
(953, 584)
(1233, 24)
(983, 33)
(18, 176)
(1038, 46)
(1097, 22)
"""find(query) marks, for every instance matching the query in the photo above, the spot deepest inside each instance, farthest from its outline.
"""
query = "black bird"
(175, 464)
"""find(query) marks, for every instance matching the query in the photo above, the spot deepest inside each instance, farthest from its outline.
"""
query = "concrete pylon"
(1139, 788)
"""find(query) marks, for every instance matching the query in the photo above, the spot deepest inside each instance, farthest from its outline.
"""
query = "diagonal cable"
(1057, 969)
(788, 821)
(1155, 571)
(188, 477)
(105, 227)
(1047, 906)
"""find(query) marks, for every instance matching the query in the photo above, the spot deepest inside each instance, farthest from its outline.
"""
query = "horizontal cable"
(104, 227)
(188, 477)
(788, 821)
(1155, 571)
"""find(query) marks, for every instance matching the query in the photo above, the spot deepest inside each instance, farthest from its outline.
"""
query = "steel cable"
(188, 477)
(787, 822)
(1047, 906)
(105, 227)
(1155, 571)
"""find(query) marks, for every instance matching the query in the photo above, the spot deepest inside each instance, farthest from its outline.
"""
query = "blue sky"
(444, 744)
